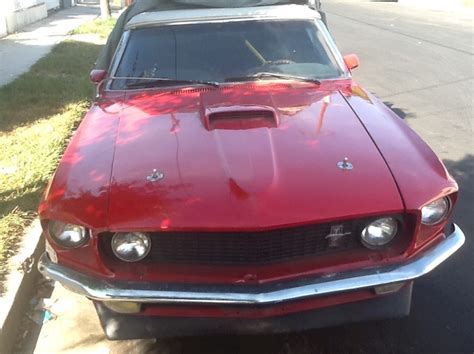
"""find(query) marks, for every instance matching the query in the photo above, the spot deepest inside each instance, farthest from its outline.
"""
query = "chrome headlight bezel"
(68, 235)
(142, 240)
(444, 202)
(392, 221)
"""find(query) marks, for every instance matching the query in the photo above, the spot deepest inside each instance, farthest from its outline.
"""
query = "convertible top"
(141, 6)
(154, 18)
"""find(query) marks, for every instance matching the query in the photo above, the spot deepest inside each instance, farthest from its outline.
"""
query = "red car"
(231, 177)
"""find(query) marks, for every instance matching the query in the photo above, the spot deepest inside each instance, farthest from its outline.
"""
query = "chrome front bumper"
(111, 290)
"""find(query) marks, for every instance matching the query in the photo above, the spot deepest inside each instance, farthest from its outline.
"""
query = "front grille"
(249, 248)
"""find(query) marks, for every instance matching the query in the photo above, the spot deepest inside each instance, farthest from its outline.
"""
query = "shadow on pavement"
(399, 111)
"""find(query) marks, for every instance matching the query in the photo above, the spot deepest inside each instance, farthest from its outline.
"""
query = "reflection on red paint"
(237, 190)
(165, 224)
(174, 124)
(326, 101)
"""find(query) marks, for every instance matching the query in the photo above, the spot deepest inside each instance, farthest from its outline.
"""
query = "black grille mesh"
(238, 248)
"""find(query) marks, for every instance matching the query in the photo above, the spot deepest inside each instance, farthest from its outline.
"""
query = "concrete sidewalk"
(76, 329)
(18, 52)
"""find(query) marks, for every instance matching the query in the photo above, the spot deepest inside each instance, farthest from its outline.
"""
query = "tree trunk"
(104, 9)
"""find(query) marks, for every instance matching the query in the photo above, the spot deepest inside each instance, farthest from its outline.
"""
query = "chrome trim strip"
(333, 49)
(117, 58)
(104, 290)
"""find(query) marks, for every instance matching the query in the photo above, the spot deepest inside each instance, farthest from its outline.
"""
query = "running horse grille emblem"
(336, 234)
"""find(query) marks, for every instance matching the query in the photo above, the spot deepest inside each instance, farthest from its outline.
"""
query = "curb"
(19, 286)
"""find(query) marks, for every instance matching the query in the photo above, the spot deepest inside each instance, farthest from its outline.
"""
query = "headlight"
(131, 246)
(67, 235)
(379, 232)
(435, 212)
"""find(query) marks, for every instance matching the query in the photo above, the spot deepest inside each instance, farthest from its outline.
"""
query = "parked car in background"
(233, 178)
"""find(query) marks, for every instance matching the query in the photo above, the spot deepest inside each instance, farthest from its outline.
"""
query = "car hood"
(208, 159)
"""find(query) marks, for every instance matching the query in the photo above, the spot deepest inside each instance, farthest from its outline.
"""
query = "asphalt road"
(420, 63)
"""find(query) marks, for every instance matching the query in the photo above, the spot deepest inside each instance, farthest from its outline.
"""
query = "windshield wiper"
(142, 82)
(263, 75)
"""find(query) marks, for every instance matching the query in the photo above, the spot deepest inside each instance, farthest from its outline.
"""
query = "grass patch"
(38, 112)
(98, 26)
(12, 224)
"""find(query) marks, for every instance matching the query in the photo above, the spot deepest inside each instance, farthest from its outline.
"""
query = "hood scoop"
(248, 118)
(246, 111)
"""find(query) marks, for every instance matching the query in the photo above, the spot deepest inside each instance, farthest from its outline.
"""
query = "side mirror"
(351, 61)
(97, 76)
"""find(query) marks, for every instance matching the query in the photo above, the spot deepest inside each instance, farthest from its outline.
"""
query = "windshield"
(223, 52)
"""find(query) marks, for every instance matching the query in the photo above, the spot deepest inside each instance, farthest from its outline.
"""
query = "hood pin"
(345, 165)
(155, 176)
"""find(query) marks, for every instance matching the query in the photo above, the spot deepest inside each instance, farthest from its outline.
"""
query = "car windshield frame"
(331, 50)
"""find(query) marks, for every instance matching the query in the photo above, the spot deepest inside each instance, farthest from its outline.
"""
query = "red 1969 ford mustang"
(231, 177)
